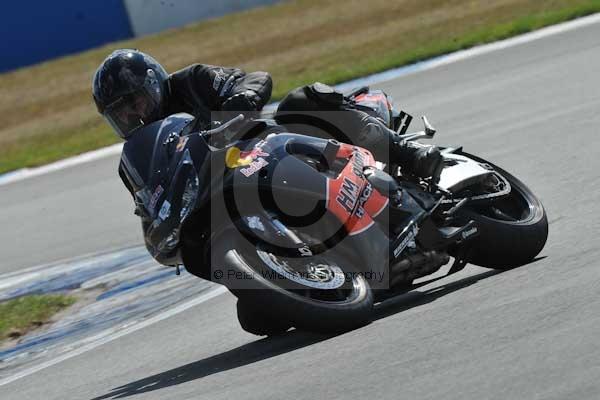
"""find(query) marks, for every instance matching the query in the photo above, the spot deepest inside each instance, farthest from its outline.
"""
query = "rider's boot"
(423, 161)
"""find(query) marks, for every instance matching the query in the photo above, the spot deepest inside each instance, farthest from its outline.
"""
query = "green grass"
(438, 47)
(20, 315)
(46, 112)
(40, 150)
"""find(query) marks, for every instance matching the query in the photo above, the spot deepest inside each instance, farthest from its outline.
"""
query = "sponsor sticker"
(165, 210)
(348, 195)
(410, 236)
(358, 162)
(254, 167)
(364, 197)
(235, 157)
(305, 251)
(181, 144)
(254, 153)
(467, 234)
(255, 223)
(155, 196)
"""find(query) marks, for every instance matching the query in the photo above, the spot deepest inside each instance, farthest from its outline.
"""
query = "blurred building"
(34, 31)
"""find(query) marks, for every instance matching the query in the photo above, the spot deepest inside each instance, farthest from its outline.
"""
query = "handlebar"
(425, 134)
(225, 126)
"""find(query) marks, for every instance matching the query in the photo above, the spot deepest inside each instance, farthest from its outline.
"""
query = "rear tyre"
(512, 230)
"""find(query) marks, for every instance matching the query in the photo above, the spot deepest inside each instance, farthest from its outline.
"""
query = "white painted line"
(112, 334)
(94, 155)
(66, 260)
(472, 52)
(11, 279)
(368, 80)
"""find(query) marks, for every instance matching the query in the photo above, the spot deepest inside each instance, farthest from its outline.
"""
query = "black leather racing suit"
(202, 89)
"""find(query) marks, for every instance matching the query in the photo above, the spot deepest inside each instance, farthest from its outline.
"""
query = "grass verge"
(46, 111)
(20, 315)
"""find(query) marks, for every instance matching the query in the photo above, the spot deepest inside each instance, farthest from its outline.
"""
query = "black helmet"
(130, 90)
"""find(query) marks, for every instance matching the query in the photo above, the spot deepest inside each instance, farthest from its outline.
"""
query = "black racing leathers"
(356, 126)
(201, 89)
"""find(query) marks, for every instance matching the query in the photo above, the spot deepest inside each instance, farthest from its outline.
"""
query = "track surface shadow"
(417, 298)
(238, 357)
(271, 347)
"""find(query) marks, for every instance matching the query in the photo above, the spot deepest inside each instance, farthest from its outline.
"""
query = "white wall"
(151, 16)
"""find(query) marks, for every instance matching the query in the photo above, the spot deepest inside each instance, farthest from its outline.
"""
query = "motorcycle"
(310, 232)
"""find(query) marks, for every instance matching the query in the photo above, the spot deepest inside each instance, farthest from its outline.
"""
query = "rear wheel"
(309, 293)
(512, 229)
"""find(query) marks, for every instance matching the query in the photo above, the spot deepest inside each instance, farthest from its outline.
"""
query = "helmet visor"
(131, 111)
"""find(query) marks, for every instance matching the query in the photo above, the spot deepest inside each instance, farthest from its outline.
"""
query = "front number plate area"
(461, 172)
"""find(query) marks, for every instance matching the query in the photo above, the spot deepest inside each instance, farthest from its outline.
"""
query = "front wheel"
(512, 229)
(308, 293)
(254, 320)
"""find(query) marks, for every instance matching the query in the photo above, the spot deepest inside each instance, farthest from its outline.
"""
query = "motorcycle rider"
(131, 89)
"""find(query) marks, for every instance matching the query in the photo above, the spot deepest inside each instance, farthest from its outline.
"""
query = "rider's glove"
(246, 101)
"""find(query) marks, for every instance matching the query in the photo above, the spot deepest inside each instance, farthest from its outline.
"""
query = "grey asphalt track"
(528, 333)
(65, 214)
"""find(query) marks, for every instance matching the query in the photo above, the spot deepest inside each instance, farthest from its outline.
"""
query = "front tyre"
(512, 230)
(254, 320)
(291, 302)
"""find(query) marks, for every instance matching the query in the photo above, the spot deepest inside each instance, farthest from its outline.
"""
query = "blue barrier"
(34, 30)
